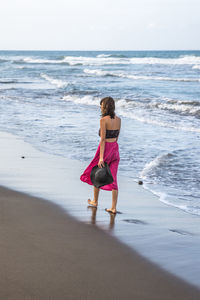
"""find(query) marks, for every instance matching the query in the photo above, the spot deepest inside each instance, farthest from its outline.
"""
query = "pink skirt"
(111, 156)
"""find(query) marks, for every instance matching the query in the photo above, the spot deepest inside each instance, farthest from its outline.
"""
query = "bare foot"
(110, 210)
(93, 203)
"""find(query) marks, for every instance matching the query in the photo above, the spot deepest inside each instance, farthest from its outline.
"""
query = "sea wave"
(135, 109)
(182, 60)
(121, 59)
(72, 60)
(87, 100)
(96, 61)
(103, 55)
(57, 82)
(21, 67)
(150, 167)
(7, 81)
(136, 77)
(112, 55)
(99, 72)
(109, 59)
(40, 61)
(163, 197)
(152, 121)
(3, 60)
(177, 106)
(196, 67)
(155, 178)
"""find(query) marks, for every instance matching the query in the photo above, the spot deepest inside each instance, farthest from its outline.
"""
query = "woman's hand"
(101, 163)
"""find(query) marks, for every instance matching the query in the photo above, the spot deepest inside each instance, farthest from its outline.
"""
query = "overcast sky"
(99, 25)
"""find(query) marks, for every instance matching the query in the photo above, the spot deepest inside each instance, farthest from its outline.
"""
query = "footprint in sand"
(181, 231)
(135, 221)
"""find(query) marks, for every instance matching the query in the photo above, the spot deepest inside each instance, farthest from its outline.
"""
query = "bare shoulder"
(118, 119)
(103, 122)
(103, 119)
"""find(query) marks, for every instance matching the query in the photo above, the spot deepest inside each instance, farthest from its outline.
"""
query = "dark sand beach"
(47, 254)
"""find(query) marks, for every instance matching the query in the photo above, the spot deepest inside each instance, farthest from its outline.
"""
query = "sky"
(99, 25)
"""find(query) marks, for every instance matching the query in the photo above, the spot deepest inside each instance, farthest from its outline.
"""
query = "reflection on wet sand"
(93, 217)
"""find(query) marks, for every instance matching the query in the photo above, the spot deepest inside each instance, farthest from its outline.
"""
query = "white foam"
(183, 60)
(100, 72)
(59, 83)
(152, 165)
(163, 198)
(108, 59)
(96, 72)
(19, 67)
(196, 67)
(103, 55)
(87, 100)
(41, 61)
(178, 107)
(140, 118)
(94, 61)
(104, 59)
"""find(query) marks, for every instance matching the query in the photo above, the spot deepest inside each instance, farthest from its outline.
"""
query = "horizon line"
(100, 50)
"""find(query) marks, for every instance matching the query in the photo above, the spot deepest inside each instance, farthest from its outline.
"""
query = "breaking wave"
(135, 109)
(57, 82)
(196, 67)
(112, 55)
(41, 61)
(111, 59)
(136, 77)
(150, 167)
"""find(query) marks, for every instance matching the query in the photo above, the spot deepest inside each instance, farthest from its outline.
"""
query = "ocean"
(51, 99)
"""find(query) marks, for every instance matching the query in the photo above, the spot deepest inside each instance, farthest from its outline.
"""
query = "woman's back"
(112, 128)
(113, 124)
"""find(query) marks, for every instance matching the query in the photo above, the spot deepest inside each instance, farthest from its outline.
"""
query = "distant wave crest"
(41, 61)
(112, 55)
(110, 59)
(137, 77)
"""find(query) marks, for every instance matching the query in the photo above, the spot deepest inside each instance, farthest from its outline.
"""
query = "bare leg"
(113, 209)
(96, 197)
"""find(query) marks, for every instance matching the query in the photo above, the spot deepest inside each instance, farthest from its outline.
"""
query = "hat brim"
(107, 176)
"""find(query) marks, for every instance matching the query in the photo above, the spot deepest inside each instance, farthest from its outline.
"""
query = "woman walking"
(107, 151)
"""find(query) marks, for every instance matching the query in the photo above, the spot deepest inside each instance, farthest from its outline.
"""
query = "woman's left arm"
(102, 141)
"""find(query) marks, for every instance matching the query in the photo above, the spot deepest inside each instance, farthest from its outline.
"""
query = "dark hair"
(108, 107)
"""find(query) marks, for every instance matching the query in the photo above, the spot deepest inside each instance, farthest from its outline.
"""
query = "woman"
(107, 151)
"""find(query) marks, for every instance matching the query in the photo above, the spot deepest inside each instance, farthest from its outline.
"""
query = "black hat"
(101, 176)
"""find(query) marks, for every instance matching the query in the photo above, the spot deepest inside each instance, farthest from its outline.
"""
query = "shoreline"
(162, 234)
(49, 254)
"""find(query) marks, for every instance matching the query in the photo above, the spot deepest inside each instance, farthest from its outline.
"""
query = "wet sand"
(47, 254)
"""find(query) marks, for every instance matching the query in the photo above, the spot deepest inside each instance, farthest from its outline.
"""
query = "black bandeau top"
(110, 134)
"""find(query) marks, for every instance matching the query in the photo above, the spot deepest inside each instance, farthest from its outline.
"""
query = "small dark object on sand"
(22, 156)
(140, 182)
